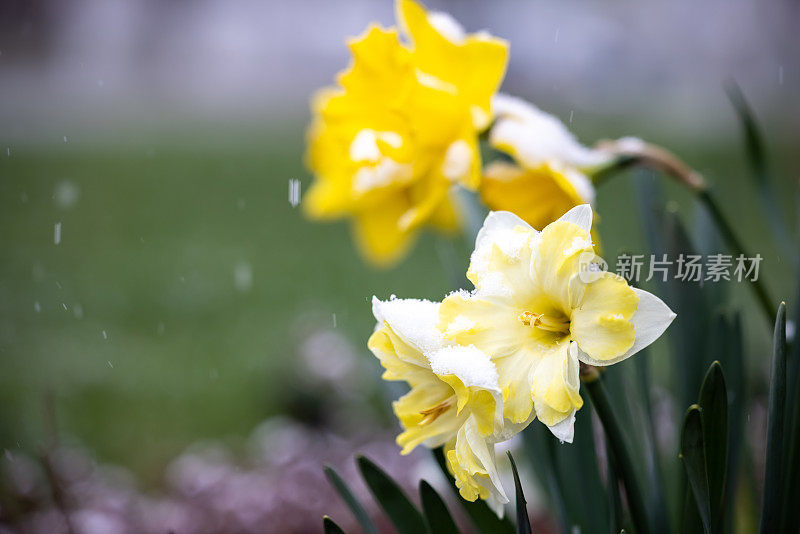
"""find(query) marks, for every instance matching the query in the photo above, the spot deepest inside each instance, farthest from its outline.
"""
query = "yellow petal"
(471, 460)
(378, 233)
(410, 409)
(481, 404)
(539, 196)
(557, 260)
(447, 215)
(488, 324)
(400, 360)
(601, 324)
(555, 382)
(472, 64)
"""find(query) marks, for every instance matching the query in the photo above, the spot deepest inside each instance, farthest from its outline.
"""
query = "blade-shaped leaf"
(714, 404)
(479, 512)
(436, 513)
(791, 442)
(616, 517)
(541, 451)
(693, 457)
(760, 169)
(577, 468)
(330, 527)
(403, 514)
(344, 491)
(523, 520)
(773, 471)
(658, 501)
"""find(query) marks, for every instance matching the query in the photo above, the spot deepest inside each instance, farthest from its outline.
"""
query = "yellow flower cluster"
(401, 128)
(482, 365)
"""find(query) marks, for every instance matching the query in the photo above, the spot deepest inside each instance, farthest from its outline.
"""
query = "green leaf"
(791, 519)
(693, 457)
(523, 520)
(330, 527)
(479, 512)
(404, 515)
(578, 469)
(616, 517)
(622, 456)
(436, 513)
(759, 168)
(541, 447)
(773, 472)
(344, 491)
(713, 402)
(658, 501)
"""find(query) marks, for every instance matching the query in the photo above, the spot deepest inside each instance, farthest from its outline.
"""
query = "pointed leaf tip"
(329, 526)
(693, 458)
(403, 514)
(523, 520)
(346, 494)
(435, 510)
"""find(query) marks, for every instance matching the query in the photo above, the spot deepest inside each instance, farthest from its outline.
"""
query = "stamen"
(559, 325)
(433, 413)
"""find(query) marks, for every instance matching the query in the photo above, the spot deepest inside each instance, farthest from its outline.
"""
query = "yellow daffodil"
(400, 130)
(540, 306)
(454, 400)
(548, 176)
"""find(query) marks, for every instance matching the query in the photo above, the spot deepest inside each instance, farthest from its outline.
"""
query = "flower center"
(558, 324)
(433, 413)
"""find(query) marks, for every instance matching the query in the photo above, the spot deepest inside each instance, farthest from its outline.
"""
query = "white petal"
(651, 319)
(470, 364)
(498, 229)
(414, 320)
(537, 137)
(580, 215)
(565, 430)
(485, 453)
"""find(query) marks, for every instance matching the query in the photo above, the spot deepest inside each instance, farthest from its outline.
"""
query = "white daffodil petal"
(414, 320)
(565, 430)
(535, 137)
(485, 453)
(499, 229)
(651, 319)
(580, 215)
(469, 364)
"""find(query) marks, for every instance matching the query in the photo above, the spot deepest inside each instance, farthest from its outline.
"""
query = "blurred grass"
(149, 252)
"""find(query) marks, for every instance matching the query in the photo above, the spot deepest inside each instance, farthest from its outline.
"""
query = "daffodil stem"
(635, 152)
(619, 450)
(738, 249)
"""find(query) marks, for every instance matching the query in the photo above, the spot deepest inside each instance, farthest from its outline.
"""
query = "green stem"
(646, 155)
(619, 449)
(738, 249)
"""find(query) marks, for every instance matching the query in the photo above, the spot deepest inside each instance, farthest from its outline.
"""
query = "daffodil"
(541, 306)
(454, 399)
(389, 143)
(549, 174)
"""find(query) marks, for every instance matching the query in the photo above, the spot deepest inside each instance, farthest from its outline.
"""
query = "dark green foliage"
(436, 513)
(773, 472)
(403, 514)
(350, 499)
(330, 527)
(523, 521)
